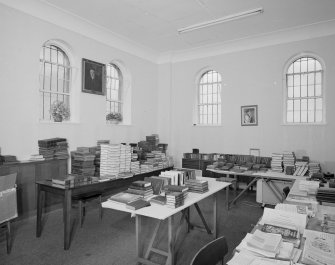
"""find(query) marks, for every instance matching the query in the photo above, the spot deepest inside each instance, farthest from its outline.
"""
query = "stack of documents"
(319, 248)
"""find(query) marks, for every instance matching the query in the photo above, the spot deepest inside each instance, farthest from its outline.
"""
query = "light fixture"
(222, 20)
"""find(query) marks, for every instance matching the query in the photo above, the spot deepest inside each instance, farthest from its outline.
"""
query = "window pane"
(304, 79)
(296, 105)
(318, 91)
(296, 117)
(311, 116)
(289, 116)
(318, 78)
(311, 91)
(296, 66)
(290, 105)
(318, 104)
(311, 78)
(318, 116)
(311, 64)
(304, 116)
(290, 80)
(303, 91)
(290, 69)
(303, 104)
(318, 66)
(311, 104)
(290, 92)
(304, 65)
(296, 91)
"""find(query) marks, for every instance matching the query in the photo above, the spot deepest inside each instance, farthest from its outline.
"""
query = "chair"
(8, 205)
(82, 200)
(211, 253)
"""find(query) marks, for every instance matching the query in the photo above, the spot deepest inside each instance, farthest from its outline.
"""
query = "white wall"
(253, 77)
(22, 37)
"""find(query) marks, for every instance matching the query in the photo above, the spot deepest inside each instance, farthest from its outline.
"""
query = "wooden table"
(269, 176)
(162, 212)
(67, 193)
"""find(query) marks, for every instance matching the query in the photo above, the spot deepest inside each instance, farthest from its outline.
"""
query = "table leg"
(171, 242)
(67, 218)
(38, 211)
(8, 237)
(138, 237)
(215, 215)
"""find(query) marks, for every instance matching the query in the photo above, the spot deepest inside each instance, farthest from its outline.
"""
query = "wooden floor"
(112, 240)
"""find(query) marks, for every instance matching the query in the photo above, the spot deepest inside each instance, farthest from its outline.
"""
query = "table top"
(254, 173)
(162, 211)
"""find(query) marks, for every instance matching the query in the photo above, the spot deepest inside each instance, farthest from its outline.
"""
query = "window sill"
(58, 123)
(304, 124)
(207, 125)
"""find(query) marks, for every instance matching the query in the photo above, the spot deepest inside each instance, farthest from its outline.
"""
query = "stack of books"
(135, 167)
(277, 162)
(153, 139)
(61, 150)
(7, 159)
(82, 162)
(146, 167)
(196, 185)
(301, 168)
(326, 195)
(288, 162)
(157, 183)
(141, 188)
(175, 188)
(313, 167)
(174, 199)
(125, 158)
(110, 161)
(36, 157)
(47, 147)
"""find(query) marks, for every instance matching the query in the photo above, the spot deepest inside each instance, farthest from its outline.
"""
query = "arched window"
(114, 84)
(304, 91)
(55, 76)
(209, 98)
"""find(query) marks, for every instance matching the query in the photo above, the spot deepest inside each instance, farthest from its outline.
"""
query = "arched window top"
(209, 98)
(304, 101)
(304, 65)
(210, 76)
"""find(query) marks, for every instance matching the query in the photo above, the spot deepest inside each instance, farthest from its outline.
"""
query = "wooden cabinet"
(27, 174)
(197, 164)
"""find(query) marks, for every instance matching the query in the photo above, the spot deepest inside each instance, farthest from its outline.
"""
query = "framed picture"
(249, 115)
(93, 77)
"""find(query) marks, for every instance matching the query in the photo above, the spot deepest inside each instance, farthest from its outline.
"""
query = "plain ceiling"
(154, 23)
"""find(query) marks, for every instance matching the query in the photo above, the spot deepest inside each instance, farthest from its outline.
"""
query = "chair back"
(211, 253)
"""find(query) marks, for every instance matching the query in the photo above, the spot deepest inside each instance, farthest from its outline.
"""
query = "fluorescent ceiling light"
(222, 20)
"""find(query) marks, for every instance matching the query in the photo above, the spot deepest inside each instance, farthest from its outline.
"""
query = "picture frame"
(249, 115)
(93, 77)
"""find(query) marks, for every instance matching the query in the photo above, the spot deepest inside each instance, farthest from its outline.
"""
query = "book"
(124, 197)
(265, 241)
(157, 183)
(141, 183)
(138, 204)
(159, 199)
(288, 234)
(319, 248)
(175, 188)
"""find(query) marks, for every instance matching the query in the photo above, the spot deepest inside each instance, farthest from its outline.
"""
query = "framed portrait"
(93, 77)
(249, 115)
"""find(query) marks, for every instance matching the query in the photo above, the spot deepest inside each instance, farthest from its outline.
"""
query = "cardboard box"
(8, 200)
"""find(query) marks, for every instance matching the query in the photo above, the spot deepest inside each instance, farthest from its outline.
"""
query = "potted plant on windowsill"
(59, 111)
(114, 117)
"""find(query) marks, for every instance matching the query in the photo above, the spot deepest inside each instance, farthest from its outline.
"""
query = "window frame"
(197, 104)
(285, 89)
(63, 47)
(120, 100)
